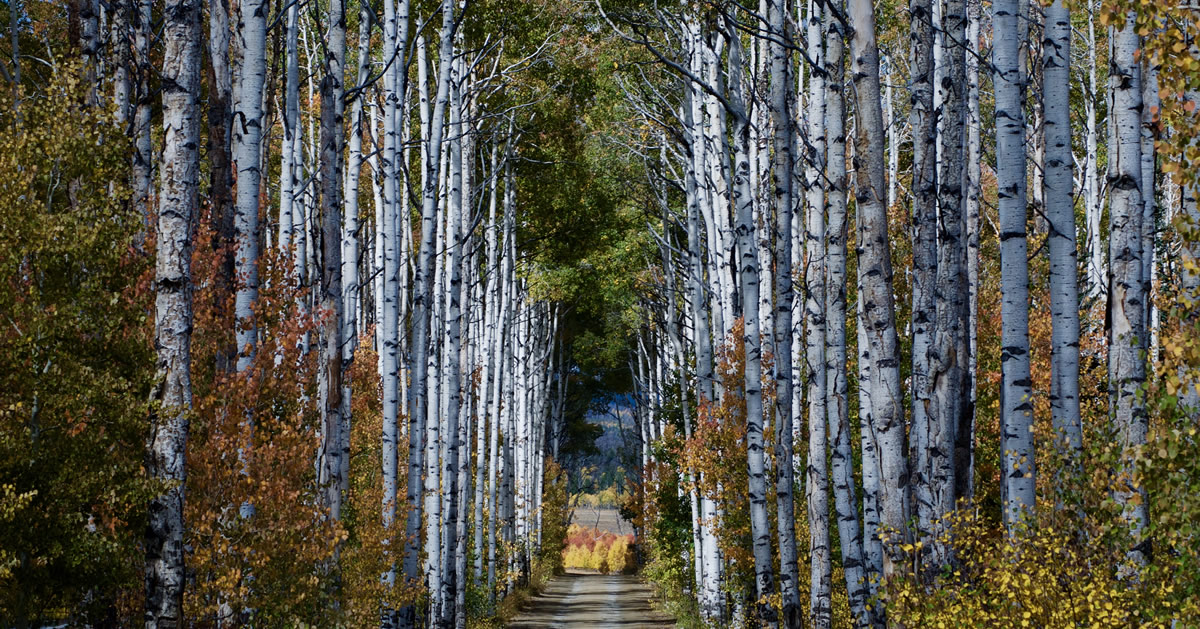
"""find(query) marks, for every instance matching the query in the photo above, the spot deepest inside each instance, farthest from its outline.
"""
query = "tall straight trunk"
(964, 476)
(223, 212)
(782, 164)
(949, 417)
(142, 162)
(711, 604)
(817, 477)
(1016, 392)
(394, 205)
(332, 140)
(354, 160)
(485, 423)
(1127, 297)
(172, 395)
(1093, 203)
(421, 309)
(837, 386)
(1060, 214)
(290, 165)
(1150, 107)
(923, 121)
(743, 197)
(247, 149)
(453, 241)
(877, 319)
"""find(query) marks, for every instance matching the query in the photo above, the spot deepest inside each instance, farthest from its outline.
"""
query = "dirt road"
(592, 601)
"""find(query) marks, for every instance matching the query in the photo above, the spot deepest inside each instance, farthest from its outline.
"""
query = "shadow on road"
(593, 601)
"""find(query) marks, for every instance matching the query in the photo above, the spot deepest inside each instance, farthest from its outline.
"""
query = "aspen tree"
(1127, 297)
(783, 161)
(817, 480)
(883, 436)
(172, 396)
(1016, 395)
(1060, 214)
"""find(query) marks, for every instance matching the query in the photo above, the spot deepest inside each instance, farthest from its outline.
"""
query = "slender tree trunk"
(247, 145)
(142, 155)
(782, 164)
(1127, 298)
(1150, 107)
(838, 404)
(817, 483)
(1097, 268)
(1016, 394)
(1060, 214)
(949, 414)
(964, 476)
(881, 351)
(290, 165)
(923, 120)
(172, 395)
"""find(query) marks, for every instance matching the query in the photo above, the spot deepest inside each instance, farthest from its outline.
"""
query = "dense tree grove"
(308, 309)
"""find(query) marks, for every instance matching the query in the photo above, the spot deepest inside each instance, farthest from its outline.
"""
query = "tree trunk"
(817, 477)
(877, 319)
(838, 404)
(172, 395)
(1016, 394)
(923, 121)
(743, 197)
(1060, 214)
(1127, 298)
(782, 165)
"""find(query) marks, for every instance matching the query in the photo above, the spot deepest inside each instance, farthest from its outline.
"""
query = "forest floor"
(594, 601)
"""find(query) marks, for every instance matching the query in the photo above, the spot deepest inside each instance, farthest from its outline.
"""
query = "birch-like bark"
(743, 197)
(395, 37)
(782, 164)
(711, 604)
(289, 172)
(354, 161)
(1093, 203)
(421, 317)
(331, 478)
(247, 149)
(838, 400)
(949, 411)
(142, 163)
(1016, 394)
(880, 352)
(1127, 298)
(817, 479)
(172, 395)
(923, 121)
(1150, 107)
(965, 475)
(1060, 214)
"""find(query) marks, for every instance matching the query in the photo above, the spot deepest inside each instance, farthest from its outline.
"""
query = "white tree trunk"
(1127, 298)
(880, 352)
(817, 483)
(837, 395)
(172, 394)
(1016, 395)
(1060, 214)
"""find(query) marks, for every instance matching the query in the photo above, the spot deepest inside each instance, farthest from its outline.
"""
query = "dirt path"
(592, 601)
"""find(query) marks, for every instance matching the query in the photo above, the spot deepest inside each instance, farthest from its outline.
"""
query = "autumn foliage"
(592, 549)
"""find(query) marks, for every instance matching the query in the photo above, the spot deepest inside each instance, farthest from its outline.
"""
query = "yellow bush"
(1047, 580)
